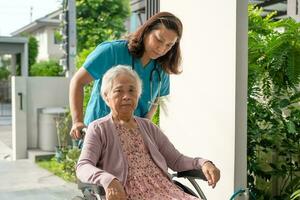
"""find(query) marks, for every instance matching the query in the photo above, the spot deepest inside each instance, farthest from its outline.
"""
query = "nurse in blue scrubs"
(153, 51)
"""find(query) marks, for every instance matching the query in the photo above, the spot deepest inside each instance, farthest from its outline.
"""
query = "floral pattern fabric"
(145, 180)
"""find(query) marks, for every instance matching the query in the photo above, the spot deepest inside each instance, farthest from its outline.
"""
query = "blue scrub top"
(109, 54)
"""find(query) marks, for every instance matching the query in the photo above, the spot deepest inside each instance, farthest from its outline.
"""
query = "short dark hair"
(172, 59)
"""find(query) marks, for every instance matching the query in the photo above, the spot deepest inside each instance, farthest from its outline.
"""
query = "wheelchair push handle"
(82, 133)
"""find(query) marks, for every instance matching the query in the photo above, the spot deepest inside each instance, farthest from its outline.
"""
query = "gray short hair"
(113, 73)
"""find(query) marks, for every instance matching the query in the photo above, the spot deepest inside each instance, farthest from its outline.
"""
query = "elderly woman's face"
(123, 97)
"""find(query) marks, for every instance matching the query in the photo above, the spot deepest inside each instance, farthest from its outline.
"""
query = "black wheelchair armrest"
(97, 189)
(192, 175)
(195, 173)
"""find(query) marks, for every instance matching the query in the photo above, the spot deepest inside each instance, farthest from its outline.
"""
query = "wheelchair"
(97, 192)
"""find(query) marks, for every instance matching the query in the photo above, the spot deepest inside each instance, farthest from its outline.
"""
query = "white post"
(24, 60)
(19, 117)
(13, 66)
(241, 67)
(72, 38)
(293, 9)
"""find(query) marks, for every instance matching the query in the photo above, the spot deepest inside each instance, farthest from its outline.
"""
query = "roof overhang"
(12, 45)
(35, 26)
(4, 39)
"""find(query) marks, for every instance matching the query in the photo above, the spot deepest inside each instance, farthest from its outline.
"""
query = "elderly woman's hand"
(75, 130)
(212, 173)
(115, 191)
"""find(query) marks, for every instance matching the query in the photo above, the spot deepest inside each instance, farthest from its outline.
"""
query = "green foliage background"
(273, 106)
(4, 73)
(32, 51)
(98, 21)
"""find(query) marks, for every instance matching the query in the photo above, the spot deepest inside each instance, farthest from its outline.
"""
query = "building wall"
(47, 47)
(41, 36)
(206, 112)
(54, 50)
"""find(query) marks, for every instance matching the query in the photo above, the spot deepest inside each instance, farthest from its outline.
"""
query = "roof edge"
(46, 20)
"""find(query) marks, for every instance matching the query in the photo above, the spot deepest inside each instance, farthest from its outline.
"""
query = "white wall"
(44, 92)
(47, 48)
(37, 92)
(41, 37)
(206, 113)
(292, 9)
(54, 50)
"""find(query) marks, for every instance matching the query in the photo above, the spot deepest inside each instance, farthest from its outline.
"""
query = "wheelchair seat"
(97, 192)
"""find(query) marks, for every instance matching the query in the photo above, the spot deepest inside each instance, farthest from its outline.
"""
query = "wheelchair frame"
(97, 192)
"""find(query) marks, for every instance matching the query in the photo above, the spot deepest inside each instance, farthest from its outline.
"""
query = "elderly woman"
(128, 155)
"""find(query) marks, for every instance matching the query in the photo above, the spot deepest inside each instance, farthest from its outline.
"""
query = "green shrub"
(33, 51)
(69, 164)
(296, 195)
(63, 127)
(33, 46)
(46, 68)
(65, 168)
(155, 118)
(4, 73)
(273, 124)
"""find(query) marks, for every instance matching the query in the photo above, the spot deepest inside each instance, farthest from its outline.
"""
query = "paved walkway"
(24, 180)
(5, 142)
